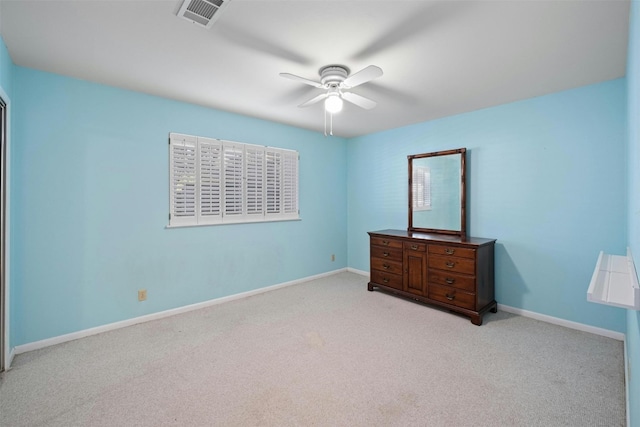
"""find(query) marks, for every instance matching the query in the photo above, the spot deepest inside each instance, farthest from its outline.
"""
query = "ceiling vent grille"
(202, 12)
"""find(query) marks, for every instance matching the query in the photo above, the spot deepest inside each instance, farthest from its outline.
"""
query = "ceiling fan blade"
(313, 100)
(359, 100)
(366, 74)
(302, 80)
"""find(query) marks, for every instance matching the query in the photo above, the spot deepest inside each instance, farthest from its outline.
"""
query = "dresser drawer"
(452, 251)
(389, 243)
(417, 247)
(445, 278)
(393, 254)
(389, 266)
(450, 263)
(453, 296)
(386, 279)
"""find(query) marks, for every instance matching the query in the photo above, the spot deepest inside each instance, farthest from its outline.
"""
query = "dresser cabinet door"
(415, 268)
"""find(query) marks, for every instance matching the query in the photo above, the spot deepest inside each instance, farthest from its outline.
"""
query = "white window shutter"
(233, 185)
(210, 180)
(290, 184)
(214, 181)
(273, 180)
(182, 179)
(254, 181)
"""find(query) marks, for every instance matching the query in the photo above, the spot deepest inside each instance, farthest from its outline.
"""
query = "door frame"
(6, 353)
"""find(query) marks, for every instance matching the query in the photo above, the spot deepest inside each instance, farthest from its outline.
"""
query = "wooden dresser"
(448, 271)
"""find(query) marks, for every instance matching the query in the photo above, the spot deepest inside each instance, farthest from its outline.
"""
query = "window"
(421, 188)
(219, 182)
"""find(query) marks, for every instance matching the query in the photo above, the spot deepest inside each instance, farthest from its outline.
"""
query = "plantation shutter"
(273, 180)
(210, 179)
(213, 181)
(254, 181)
(182, 180)
(233, 186)
(290, 184)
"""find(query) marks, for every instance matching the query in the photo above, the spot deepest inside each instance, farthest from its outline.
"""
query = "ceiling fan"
(336, 82)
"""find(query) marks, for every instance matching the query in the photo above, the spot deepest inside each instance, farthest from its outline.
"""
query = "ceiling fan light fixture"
(333, 103)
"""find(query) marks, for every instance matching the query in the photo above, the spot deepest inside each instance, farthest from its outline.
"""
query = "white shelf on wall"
(615, 282)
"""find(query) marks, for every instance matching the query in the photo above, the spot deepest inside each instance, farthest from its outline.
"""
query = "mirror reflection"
(436, 198)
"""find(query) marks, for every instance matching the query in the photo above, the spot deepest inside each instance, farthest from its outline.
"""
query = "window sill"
(232, 223)
(615, 282)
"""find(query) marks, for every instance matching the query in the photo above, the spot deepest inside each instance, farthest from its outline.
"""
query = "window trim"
(224, 160)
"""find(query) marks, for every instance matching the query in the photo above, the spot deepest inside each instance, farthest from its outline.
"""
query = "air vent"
(202, 12)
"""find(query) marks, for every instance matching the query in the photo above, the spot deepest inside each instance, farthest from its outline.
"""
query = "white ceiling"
(439, 57)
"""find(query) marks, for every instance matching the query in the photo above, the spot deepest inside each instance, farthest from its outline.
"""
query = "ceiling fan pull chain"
(331, 124)
(325, 123)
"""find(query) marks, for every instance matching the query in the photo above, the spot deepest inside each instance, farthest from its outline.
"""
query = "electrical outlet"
(142, 294)
(333, 257)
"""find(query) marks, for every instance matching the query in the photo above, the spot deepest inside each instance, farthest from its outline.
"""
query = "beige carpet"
(325, 352)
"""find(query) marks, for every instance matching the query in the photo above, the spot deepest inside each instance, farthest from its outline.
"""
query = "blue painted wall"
(546, 178)
(90, 208)
(633, 236)
(6, 69)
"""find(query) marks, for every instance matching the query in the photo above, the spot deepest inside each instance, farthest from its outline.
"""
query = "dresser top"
(477, 241)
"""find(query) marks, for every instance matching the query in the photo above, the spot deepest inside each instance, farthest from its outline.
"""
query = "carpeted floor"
(325, 352)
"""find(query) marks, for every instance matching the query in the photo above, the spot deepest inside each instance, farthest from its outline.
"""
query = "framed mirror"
(437, 193)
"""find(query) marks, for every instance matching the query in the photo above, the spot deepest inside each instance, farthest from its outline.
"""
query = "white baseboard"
(542, 317)
(360, 272)
(12, 354)
(36, 345)
(562, 322)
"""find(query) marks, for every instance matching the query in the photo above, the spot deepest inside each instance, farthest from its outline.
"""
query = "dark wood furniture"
(453, 272)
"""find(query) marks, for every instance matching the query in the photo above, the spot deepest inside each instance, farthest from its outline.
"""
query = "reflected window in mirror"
(421, 188)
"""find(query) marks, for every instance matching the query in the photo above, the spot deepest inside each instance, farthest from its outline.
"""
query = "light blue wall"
(633, 236)
(6, 69)
(91, 205)
(546, 178)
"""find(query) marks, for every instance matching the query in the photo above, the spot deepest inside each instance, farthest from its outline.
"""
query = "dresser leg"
(369, 287)
(476, 320)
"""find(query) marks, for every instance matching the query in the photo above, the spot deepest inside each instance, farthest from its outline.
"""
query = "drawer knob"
(450, 280)
(450, 264)
(385, 280)
(449, 251)
(414, 247)
(385, 266)
(385, 242)
(385, 254)
(450, 297)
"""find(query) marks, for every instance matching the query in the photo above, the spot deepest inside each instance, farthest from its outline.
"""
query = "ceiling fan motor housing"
(333, 75)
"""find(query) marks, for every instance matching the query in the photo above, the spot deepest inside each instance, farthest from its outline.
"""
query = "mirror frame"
(463, 193)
